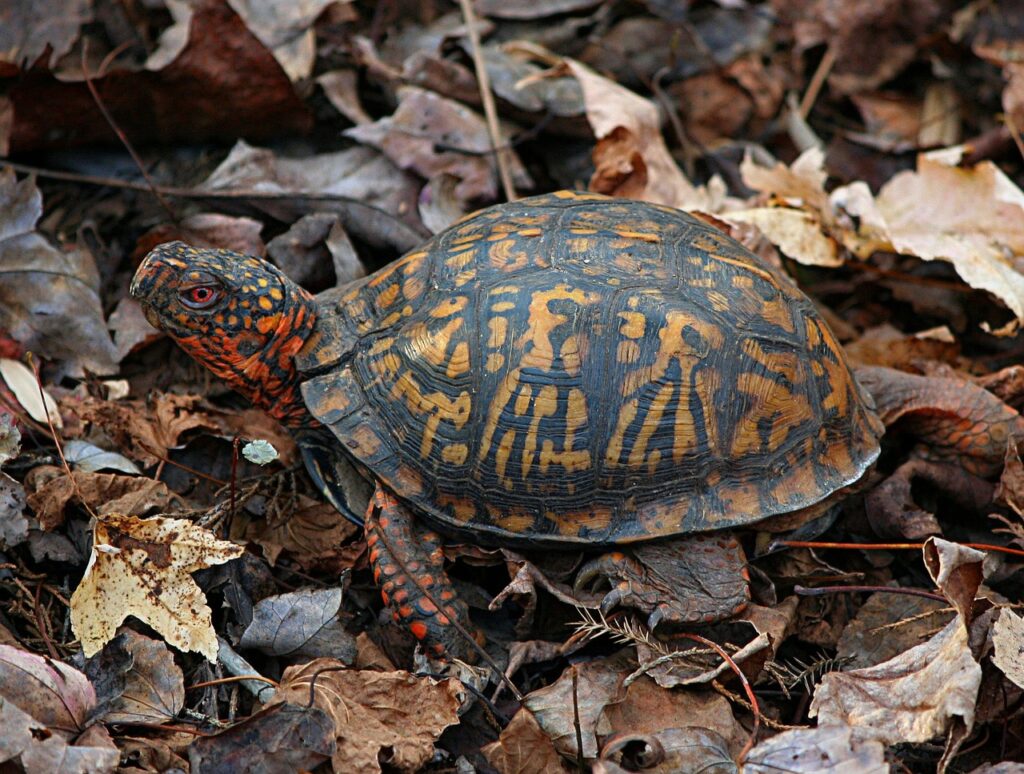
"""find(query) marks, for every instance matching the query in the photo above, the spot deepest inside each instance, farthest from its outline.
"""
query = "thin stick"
(120, 134)
(890, 546)
(502, 155)
(820, 591)
(576, 718)
(817, 81)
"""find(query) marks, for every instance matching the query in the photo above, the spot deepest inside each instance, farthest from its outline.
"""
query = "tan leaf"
(630, 158)
(798, 233)
(910, 698)
(811, 750)
(51, 490)
(1008, 641)
(142, 567)
(23, 383)
(524, 748)
(973, 218)
(375, 710)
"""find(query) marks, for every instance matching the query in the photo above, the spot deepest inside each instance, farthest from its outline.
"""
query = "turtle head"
(239, 316)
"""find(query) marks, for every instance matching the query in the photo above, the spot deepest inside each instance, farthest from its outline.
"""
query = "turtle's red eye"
(201, 296)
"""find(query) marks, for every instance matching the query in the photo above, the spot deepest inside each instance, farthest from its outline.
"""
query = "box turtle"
(567, 370)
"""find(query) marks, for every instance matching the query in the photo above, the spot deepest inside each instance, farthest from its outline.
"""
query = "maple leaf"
(142, 567)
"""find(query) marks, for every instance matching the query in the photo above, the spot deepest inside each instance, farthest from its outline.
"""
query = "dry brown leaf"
(956, 571)
(630, 158)
(887, 625)
(24, 385)
(137, 680)
(598, 683)
(52, 490)
(314, 535)
(142, 567)
(523, 748)
(1008, 641)
(423, 121)
(973, 218)
(49, 298)
(286, 29)
(910, 698)
(812, 750)
(375, 710)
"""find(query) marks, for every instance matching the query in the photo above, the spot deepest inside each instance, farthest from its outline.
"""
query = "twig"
(237, 665)
(576, 719)
(889, 546)
(502, 154)
(821, 591)
(120, 134)
(817, 81)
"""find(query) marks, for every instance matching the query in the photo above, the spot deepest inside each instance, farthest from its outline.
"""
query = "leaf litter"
(175, 550)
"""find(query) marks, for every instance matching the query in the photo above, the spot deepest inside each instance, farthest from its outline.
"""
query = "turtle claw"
(656, 617)
(611, 601)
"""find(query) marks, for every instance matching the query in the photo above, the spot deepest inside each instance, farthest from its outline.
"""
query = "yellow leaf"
(142, 567)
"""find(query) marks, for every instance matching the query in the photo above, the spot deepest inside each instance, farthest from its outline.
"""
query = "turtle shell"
(572, 369)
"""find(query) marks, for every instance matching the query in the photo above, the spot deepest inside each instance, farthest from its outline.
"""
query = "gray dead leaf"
(423, 121)
(316, 252)
(811, 750)
(302, 623)
(439, 207)
(13, 524)
(39, 751)
(25, 387)
(10, 438)
(286, 29)
(49, 299)
(90, 458)
(359, 173)
(910, 698)
(137, 680)
(1008, 641)
(340, 88)
(130, 327)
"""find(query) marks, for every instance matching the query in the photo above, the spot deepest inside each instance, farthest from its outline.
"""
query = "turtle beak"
(152, 316)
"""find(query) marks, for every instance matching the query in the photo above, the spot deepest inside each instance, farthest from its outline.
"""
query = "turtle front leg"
(400, 547)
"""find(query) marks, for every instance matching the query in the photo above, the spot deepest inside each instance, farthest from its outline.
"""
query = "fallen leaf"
(10, 438)
(90, 458)
(910, 698)
(49, 298)
(956, 570)
(887, 625)
(630, 158)
(971, 217)
(142, 567)
(33, 30)
(523, 748)
(797, 233)
(39, 404)
(531, 9)
(1008, 642)
(374, 711)
(301, 623)
(54, 694)
(130, 327)
(287, 30)
(424, 120)
(597, 684)
(279, 738)
(314, 535)
(137, 680)
(13, 524)
(52, 490)
(832, 748)
(39, 751)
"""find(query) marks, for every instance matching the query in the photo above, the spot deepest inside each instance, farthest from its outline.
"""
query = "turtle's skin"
(566, 370)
